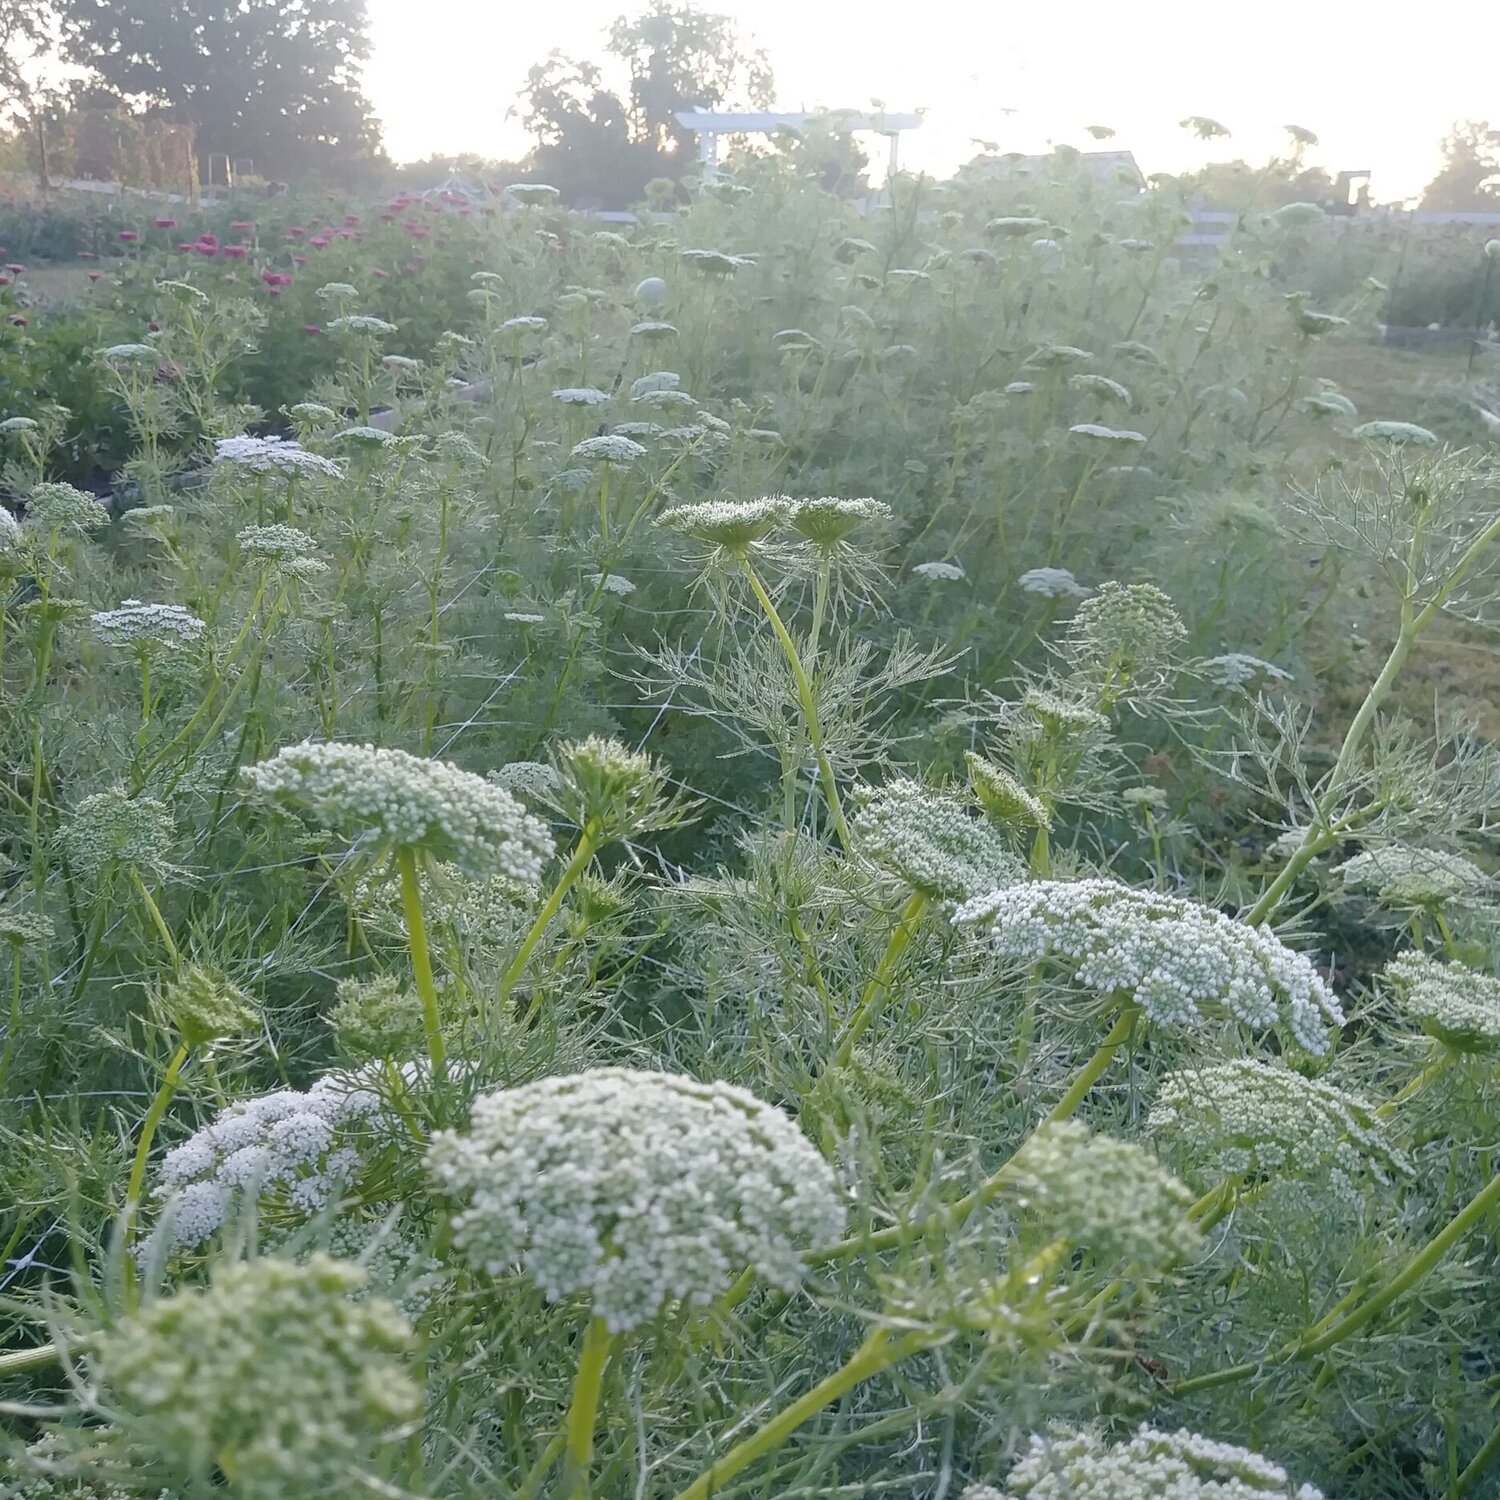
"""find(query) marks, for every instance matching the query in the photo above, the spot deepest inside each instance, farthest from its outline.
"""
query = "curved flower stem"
(589, 839)
(19, 1361)
(135, 1185)
(157, 920)
(1436, 1068)
(1487, 1454)
(532, 1484)
(806, 700)
(421, 961)
(878, 1352)
(583, 1412)
(1334, 1329)
(873, 999)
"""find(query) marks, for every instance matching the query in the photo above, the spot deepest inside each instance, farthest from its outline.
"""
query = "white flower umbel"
(1397, 433)
(654, 380)
(1236, 670)
(828, 520)
(62, 507)
(362, 323)
(292, 1151)
(143, 626)
(580, 395)
(732, 524)
(1100, 433)
(1052, 583)
(526, 323)
(1456, 1004)
(280, 542)
(408, 802)
(273, 455)
(1400, 875)
(611, 583)
(1153, 1465)
(945, 572)
(1247, 1118)
(932, 840)
(129, 354)
(1181, 962)
(637, 1188)
(610, 449)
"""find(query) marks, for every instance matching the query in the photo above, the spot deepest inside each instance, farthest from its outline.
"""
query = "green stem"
(421, 961)
(1434, 1069)
(806, 700)
(157, 920)
(1487, 1454)
(135, 1185)
(583, 1411)
(19, 1361)
(878, 1352)
(583, 852)
(873, 999)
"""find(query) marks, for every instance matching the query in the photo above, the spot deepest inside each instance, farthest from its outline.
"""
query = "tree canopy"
(274, 81)
(1469, 177)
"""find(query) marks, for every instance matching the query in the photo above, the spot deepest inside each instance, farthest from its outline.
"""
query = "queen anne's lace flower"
(731, 524)
(1002, 795)
(1452, 1002)
(610, 449)
(274, 455)
(947, 572)
(408, 801)
(1236, 670)
(1125, 630)
(1400, 875)
(1246, 1118)
(1052, 583)
(361, 323)
(114, 828)
(826, 521)
(1100, 433)
(523, 324)
(275, 541)
(1182, 963)
(130, 354)
(144, 625)
(291, 1151)
(271, 1373)
(1153, 1465)
(61, 507)
(661, 400)
(637, 1188)
(654, 328)
(611, 583)
(654, 380)
(1107, 1197)
(580, 395)
(932, 840)
(1398, 433)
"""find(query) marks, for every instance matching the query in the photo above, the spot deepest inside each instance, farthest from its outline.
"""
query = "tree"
(682, 58)
(275, 81)
(1469, 177)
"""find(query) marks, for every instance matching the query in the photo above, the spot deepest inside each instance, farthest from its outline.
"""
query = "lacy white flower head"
(524, 324)
(533, 779)
(1182, 963)
(1061, 716)
(1153, 1465)
(335, 292)
(202, 1006)
(1015, 227)
(523, 617)
(638, 1188)
(663, 399)
(715, 262)
(1052, 583)
(1328, 403)
(61, 507)
(365, 437)
(1106, 1197)
(147, 626)
(1003, 796)
(312, 414)
(1051, 356)
(113, 829)
(1124, 631)
(274, 455)
(944, 572)
(362, 323)
(609, 449)
(11, 534)
(400, 362)
(17, 426)
(580, 395)
(1261, 1120)
(654, 380)
(618, 791)
(1097, 432)
(1019, 388)
(407, 801)
(130, 354)
(729, 525)
(1404, 877)
(1237, 670)
(275, 541)
(1452, 1002)
(932, 840)
(533, 193)
(1101, 385)
(291, 1152)
(827, 521)
(1399, 434)
(653, 328)
(272, 1373)
(611, 583)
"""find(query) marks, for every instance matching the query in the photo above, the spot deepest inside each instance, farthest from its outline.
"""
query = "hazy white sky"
(1380, 94)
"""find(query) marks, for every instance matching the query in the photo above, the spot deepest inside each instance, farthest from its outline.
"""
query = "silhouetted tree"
(277, 81)
(1470, 175)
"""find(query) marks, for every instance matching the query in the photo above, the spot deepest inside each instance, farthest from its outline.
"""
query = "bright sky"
(445, 73)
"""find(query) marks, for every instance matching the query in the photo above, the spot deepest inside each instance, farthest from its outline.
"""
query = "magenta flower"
(242, 226)
(166, 223)
(235, 252)
(127, 236)
(311, 328)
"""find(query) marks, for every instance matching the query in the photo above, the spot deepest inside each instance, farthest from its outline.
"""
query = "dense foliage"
(777, 854)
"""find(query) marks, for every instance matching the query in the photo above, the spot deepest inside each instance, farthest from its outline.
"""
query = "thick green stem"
(1488, 1453)
(421, 961)
(878, 1352)
(583, 1412)
(19, 1361)
(873, 998)
(806, 700)
(135, 1184)
(583, 852)
(157, 920)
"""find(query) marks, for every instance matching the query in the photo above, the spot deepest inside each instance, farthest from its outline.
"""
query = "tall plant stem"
(805, 699)
(157, 920)
(135, 1184)
(583, 1412)
(585, 849)
(872, 999)
(421, 960)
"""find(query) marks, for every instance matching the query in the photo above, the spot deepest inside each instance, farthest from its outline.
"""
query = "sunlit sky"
(445, 73)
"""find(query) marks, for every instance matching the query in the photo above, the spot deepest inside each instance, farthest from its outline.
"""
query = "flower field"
(772, 852)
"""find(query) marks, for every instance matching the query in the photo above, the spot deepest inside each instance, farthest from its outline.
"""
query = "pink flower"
(4, 280)
(166, 223)
(18, 322)
(87, 255)
(311, 328)
(15, 270)
(235, 252)
(351, 219)
(154, 326)
(127, 236)
(376, 271)
(242, 226)
(320, 242)
(187, 245)
(299, 260)
(95, 275)
(295, 232)
(416, 231)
